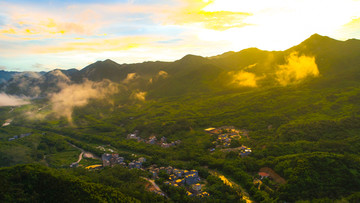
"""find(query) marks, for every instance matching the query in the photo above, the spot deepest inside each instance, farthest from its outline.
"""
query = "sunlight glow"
(279, 24)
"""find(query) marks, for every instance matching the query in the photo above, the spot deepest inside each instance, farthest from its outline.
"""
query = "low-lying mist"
(79, 95)
(11, 100)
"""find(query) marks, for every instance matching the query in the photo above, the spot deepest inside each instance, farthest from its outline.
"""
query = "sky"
(47, 34)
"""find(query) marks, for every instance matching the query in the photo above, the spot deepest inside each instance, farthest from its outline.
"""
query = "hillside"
(298, 111)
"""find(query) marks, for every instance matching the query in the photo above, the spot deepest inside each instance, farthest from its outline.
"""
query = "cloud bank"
(297, 69)
(139, 96)
(79, 95)
(243, 78)
(9, 100)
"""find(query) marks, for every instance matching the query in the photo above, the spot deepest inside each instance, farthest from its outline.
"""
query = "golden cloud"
(296, 69)
(79, 95)
(130, 77)
(139, 95)
(10, 100)
(100, 45)
(193, 13)
(243, 78)
(47, 28)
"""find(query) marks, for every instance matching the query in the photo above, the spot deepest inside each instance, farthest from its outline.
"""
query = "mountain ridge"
(194, 73)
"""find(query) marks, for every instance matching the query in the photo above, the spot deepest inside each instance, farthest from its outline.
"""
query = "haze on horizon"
(44, 35)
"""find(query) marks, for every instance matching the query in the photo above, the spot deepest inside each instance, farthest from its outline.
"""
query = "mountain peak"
(191, 58)
(316, 38)
(109, 61)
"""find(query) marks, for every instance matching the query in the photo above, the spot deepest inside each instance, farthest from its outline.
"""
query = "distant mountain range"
(245, 69)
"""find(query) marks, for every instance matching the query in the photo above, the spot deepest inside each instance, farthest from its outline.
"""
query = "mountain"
(297, 112)
(6, 75)
(194, 74)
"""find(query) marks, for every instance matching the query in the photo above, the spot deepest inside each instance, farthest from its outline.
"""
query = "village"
(172, 176)
(152, 140)
(189, 179)
(19, 136)
(224, 136)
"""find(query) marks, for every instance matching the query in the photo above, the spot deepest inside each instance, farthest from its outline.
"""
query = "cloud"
(296, 69)
(163, 74)
(130, 77)
(25, 83)
(192, 12)
(99, 45)
(59, 77)
(9, 100)
(349, 30)
(79, 95)
(38, 66)
(139, 95)
(243, 78)
(2, 68)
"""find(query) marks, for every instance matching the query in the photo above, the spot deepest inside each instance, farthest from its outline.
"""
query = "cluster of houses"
(153, 140)
(225, 135)
(244, 151)
(115, 159)
(181, 178)
(102, 148)
(19, 136)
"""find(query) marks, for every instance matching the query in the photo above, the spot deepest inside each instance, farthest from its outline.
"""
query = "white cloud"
(9, 100)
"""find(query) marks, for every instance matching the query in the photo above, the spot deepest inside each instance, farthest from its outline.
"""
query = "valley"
(256, 126)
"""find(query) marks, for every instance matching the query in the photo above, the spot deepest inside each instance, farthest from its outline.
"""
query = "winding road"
(89, 154)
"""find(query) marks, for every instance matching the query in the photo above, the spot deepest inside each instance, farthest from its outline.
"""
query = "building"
(203, 194)
(191, 179)
(189, 194)
(180, 181)
(194, 172)
(197, 187)
(172, 177)
(137, 164)
(163, 139)
(74, 165)
(244, 151)
(132, 136)
(178, 174)
(154, 174)
(25, 135)
(132, 165)
(169, 170)
(263, 175)
(142, 159)
(111, 159)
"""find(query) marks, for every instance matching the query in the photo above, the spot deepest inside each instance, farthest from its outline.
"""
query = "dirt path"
(155, 187)
(84, 153)
(80, 157)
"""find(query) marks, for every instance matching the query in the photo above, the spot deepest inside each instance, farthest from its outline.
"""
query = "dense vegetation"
(35, 183)
(308, 131)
